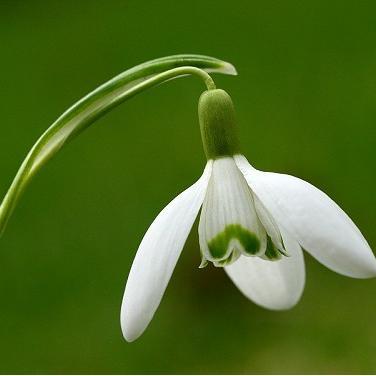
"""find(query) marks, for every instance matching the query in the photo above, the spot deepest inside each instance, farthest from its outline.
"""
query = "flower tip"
(129, 334)
(130, 326)
(204, 263)
(128, 339)
(285, 306)
(362, 268)
(371, 273)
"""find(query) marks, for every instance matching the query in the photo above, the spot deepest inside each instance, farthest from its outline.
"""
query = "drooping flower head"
(229, 224)
(252, 223)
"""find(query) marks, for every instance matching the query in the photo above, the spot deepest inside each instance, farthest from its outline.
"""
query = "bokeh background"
(306, 105)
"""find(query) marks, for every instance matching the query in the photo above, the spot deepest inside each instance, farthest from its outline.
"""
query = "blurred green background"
(306, 105)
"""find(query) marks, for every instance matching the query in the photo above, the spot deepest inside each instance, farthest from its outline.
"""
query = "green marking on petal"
(272, 253)
(218, 246)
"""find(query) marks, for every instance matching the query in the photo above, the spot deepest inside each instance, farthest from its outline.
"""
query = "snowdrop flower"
(254, 224)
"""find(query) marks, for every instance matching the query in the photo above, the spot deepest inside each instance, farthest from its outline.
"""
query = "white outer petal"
(157, 256)
(320, 226)
(274, 285)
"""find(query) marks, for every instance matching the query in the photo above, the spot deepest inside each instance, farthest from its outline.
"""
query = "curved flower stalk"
(253, 223)
(100, 101)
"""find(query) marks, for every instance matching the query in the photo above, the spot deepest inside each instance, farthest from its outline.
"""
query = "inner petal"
(229, 224)
(275, 248)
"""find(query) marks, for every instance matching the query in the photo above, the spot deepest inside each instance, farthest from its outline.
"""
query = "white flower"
(252, 223)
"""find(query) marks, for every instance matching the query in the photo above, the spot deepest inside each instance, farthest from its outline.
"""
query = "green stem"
(83, 113)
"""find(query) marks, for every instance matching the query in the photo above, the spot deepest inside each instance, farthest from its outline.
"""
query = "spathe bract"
(100, 101)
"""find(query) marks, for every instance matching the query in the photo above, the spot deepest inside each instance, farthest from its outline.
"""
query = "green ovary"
(218, 246)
